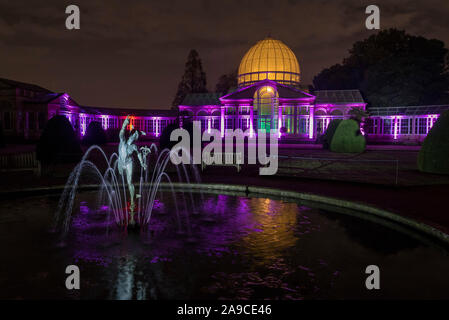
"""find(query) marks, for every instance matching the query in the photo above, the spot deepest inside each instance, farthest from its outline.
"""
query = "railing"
(226, 159)
(19, 162)
(363, 170)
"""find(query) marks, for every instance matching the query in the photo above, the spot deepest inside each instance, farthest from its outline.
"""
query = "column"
(311, 119)
(222, 120)
(295, 119)
(279, 120)
(251, 120)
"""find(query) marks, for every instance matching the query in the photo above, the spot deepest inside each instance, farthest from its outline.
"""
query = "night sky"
(132, 53)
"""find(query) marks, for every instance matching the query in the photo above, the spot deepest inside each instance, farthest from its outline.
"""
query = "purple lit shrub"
(434, 154)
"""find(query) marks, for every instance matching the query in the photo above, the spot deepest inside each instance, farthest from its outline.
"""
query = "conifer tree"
(193, 80)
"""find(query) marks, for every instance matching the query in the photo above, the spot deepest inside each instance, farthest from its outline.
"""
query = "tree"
(58, 142)
(193, 80)
(392, 68)
(226, 82)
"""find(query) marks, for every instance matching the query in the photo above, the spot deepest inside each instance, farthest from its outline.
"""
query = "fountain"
(116, 186)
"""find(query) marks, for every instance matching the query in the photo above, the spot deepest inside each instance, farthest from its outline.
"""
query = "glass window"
(229, 124)
(303, 126)
(387, 126)
(421, 126)
(405, 126)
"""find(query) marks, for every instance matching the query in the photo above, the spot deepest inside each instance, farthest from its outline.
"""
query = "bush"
(58, 142)
(112, 134)
(348, 138)
(326, 138)
(434, 154)
(94, 134)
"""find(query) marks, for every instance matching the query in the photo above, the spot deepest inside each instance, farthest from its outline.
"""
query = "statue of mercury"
(126, 149)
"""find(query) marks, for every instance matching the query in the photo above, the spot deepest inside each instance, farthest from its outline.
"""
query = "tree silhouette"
(193, 80)
(226, 82)
(392, 68)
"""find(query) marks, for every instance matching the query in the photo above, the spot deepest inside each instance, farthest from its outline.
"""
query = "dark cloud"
(132, 53)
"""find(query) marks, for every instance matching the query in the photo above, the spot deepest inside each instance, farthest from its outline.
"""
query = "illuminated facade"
(268, 97)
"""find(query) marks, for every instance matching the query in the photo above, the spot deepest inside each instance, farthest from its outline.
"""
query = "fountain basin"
(238, 245)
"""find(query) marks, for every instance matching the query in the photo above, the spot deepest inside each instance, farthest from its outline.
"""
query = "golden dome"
(269, 59)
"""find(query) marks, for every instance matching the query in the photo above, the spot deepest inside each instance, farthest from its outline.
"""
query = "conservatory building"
(269, 96)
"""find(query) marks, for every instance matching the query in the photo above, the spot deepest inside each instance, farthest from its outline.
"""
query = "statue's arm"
(139, 156)
(123, 129)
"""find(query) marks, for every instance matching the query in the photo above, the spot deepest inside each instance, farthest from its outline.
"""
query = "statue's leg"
(129, 180)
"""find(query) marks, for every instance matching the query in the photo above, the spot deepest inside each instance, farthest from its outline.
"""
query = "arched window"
(266, 103)
(336, 113)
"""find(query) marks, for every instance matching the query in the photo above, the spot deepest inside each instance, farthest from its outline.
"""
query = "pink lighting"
(222, 120)
(251, 121)
(395, 128)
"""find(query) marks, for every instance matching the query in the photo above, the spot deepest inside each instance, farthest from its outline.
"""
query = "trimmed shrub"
(434, 154)
(58, 142)
(348, 138)
(94, 134)
(326, 138)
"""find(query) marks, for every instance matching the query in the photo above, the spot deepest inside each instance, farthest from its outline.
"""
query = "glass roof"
(269, 59)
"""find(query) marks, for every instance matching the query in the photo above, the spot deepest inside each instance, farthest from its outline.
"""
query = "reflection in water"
(128, 284)
(272, 228)
(125, 278)
(238, 248)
